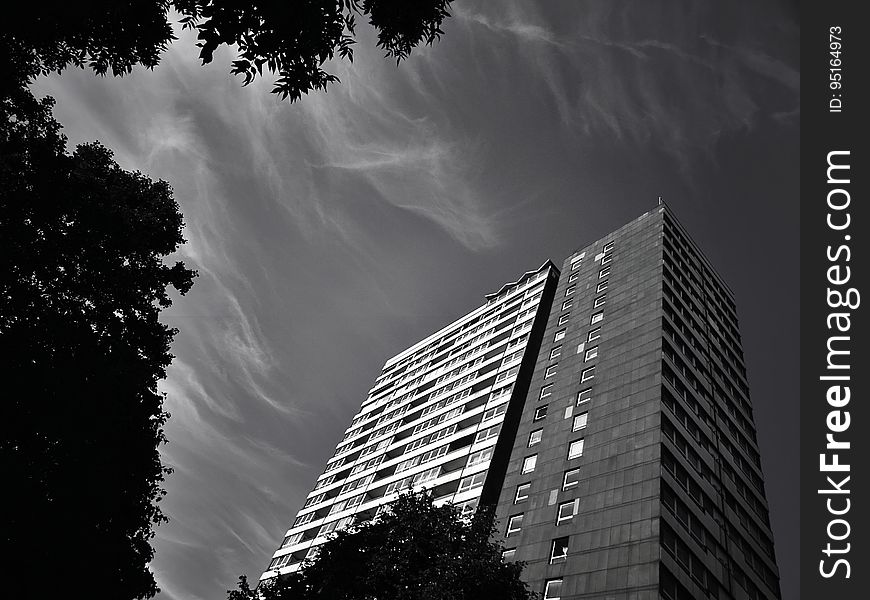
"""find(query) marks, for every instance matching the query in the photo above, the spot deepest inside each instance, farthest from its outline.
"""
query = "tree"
(415, 551)
(290, 39)
(82, 282)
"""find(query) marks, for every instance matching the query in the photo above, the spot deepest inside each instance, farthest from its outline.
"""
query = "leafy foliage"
(416, 551)
(82, 282)
(291, 39)
(106, 35)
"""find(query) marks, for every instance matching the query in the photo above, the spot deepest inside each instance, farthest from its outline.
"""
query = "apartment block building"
(602, 407)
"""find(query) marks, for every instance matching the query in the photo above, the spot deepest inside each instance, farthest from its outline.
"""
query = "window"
(354, 501)
(559, 550)
(522, 492)
(315, 500)
(556, 351)
(303, 519)
(488, 433)
(599, 316)
(546, 391)
(584, 396)
(575, 449)
(508, 554)
(601, 286)
(428, 475)
(572, 478)
(553, 589)
(573, 277)
(515, 523)
(567, 303)
(580, 421)
(599, 301)
(594, 334)
(587, 374)
(559, 335)
(570, 290)
(551, 370)
(535, 437)
(591, 353)
(541, 412)
(567, 510)
(603, 272)
(529, 463)
(564, 318)
(279, 562)
(475, 458)
(606, 259)
(576, 263)
(467, 508)
(321, 483)
(608, 247)
(471, 482)
(493, 412)
(291, 540)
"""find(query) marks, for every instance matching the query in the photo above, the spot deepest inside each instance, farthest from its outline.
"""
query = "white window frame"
(568, 303)
(471, 482)
(495, 411)
(535, 417)
(559, 335)
(583, 397)
(572, 505)
(594, 334)
(546, 391)
(602, 286)
(511, 520)
(554, 558)
(533, 439)
(570, 290)
(547, 585)
(573, 277)
(587, 374)
(529, 464)
(490, 432)
(606, 259)
(599, 301)
(603, 272)
(608, 246)
(481, 456)
(591, 353)
(523, 487)
(565, 484)
(555, 352)
(551, 370)
(580, 421)
(573, 448)
(596, 317)
(563, 318)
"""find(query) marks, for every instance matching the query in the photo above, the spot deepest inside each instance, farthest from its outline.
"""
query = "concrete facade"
(602, 408)
(613, 539)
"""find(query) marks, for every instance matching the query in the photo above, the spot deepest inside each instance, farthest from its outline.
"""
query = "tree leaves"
(82, 281)
(293, 40)
(414, 551)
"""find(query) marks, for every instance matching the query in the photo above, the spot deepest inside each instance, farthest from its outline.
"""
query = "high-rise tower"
(603, 408)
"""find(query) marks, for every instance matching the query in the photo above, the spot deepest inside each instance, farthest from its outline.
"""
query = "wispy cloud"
(679, 94)
(330, 232)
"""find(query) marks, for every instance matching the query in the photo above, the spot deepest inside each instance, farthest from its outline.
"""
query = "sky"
(333, 233)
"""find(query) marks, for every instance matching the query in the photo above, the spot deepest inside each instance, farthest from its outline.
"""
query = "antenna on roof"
(660, 200)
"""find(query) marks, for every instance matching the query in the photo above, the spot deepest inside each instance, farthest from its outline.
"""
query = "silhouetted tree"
(82, 282)
(290, 39)
(415, 551)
